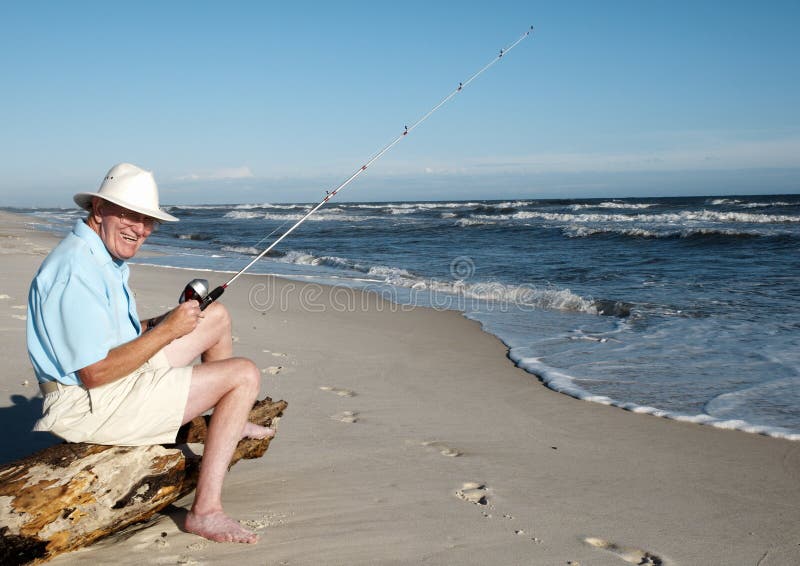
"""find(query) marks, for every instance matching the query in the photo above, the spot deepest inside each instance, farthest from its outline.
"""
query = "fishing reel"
(197, 290)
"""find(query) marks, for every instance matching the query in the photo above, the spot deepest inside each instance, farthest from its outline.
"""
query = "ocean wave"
(60, 216)
(417, 206)
(327, 216)
(526, 296)
(587, 232)
(422, 208)
(497, 294)
(750, 402)
(193, 237)
(744, 204)
(475, 221)
(670, 217)
(515, 203)
(378, 206)
(767, 204)
(564, 383)
(503, 207)
(246, 206)
(251, 251)
(303, 258)
(241, 215)
(613, 204)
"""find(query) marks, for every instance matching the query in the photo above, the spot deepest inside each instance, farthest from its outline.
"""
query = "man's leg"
(210, 341)
(229, 386)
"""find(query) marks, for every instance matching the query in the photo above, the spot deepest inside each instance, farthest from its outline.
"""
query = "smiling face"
(123, 231)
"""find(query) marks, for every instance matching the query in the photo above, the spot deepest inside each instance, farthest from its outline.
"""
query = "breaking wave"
(587, 232)
(326, 216)
(491, 292)
(667, 217)
(463, 222)
(303, 258)
(417, 206)
(251, 251)
(249, 206)
(612, 204)
(766, 204)
(742, 204)
(194, 237)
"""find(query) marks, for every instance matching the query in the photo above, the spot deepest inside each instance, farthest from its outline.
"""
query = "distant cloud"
(686, 154)
(726, 155)
(242, 172)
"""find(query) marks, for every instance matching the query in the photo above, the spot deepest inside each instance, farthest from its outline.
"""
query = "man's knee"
(248, 373)
(218, 316)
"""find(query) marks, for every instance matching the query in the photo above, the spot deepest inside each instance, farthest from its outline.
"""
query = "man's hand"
(184, 318)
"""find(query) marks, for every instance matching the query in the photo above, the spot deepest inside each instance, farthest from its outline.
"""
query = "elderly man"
(109, 378)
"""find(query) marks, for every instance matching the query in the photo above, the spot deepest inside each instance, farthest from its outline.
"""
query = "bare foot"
(252, 430)
(219, 528)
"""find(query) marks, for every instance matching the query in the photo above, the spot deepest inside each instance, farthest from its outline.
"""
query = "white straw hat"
(129, 187)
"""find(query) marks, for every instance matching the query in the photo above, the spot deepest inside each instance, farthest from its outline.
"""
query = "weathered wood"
(69, 495)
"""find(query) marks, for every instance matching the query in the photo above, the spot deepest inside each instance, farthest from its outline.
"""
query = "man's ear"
(95, 213)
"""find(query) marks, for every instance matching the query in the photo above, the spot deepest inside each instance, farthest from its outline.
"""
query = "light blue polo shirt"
(79, 307)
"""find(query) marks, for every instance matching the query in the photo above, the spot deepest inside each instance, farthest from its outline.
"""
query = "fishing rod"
(197, 289)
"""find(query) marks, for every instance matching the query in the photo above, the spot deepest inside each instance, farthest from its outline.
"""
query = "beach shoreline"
(411, 438)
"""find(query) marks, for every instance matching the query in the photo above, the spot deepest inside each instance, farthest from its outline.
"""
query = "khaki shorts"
(144, 407)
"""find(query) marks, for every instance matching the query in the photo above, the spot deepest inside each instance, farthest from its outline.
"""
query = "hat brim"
(84, 200)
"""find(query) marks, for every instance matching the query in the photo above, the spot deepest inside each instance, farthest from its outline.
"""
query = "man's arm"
(125, 358)
(151, 323)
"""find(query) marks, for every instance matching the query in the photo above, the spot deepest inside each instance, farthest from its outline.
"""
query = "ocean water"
(687, 308)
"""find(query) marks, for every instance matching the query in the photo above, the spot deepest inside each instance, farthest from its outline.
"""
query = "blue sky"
(276, 102)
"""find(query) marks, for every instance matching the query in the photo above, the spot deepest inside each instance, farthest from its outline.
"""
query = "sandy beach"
(410, 438)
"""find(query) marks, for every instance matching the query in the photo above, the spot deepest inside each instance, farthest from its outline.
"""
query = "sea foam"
(670, 217)
(565, 383)
(454, 292)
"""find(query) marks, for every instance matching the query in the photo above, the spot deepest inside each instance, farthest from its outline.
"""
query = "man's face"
(123, 231)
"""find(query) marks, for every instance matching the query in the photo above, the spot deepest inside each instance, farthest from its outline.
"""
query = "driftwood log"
(69, 495)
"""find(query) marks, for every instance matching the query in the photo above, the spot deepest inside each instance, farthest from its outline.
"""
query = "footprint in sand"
(195, 546)
(4, 297)
(269, 520)
(272, 370)
(254, 524)
(443, 449)
(473, 492)
(160, 543)
(338, 391)
(627, 553)
(19, 316)
(346, 417)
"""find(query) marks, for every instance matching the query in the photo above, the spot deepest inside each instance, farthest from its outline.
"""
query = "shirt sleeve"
(79, 322)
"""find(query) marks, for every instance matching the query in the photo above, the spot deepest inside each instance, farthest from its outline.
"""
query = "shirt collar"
(95, 244)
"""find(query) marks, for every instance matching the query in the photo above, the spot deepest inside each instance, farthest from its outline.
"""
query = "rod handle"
(211, 297)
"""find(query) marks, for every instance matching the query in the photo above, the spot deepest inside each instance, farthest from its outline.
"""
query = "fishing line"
(197, 288)
(235, 259)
